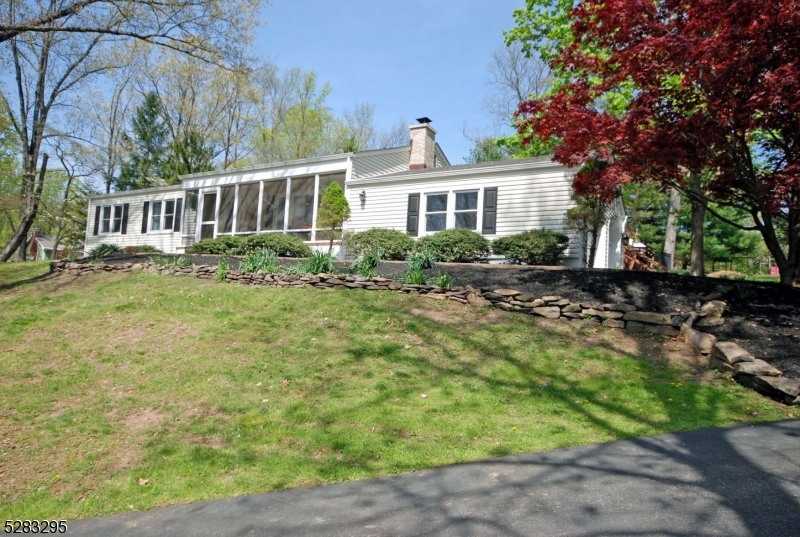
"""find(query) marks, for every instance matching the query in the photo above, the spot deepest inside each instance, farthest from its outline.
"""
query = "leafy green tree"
(149, 147)
(486, 149)
(333, 211)
(189, 154)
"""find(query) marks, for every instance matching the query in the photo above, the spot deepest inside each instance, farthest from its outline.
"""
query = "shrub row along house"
(412, 188)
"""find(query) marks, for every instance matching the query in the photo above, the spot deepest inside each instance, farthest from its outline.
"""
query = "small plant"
(367, 263)
(394, 244)
(167, 262)
(421, 259)
(444, 280)
(223, 267)
(103, 250)
(72, 257)
(414, 277)
(415, 263)
(262, 261)
(318, 263)
(743, 288)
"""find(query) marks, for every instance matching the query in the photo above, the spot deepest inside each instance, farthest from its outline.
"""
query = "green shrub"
(103, 249)
(535, 247)
(456, 245)
(263, 261)
(282, 244)
(367, 263)
(228, 245)
(394, 244)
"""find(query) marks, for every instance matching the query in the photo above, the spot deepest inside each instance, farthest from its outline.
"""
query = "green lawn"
(122, 392)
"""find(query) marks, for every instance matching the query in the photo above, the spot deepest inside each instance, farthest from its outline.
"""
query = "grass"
(133, 391)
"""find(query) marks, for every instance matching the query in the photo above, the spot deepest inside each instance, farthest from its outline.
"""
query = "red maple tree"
(715, 89)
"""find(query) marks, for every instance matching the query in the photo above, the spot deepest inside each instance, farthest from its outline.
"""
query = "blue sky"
(411, 58)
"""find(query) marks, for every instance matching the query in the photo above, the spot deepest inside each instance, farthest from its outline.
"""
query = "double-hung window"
(466, 211)
(162, 215)
(111, 219)
(441, 213)
(435, 212)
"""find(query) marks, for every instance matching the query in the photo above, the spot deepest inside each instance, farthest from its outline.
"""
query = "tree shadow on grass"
(729, 481)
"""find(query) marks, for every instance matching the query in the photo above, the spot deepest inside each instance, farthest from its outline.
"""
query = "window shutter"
(124, 229)
(96, 220)
(178, 209)
(145, 216)
(489, 211)
(412, 222)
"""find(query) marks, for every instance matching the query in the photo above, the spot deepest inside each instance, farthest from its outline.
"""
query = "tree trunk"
(672, 227)
(698, 225)
(18, 240)
(593, 247)
(61, 217)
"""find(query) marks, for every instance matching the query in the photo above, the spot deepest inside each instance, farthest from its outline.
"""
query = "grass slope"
(122, 392)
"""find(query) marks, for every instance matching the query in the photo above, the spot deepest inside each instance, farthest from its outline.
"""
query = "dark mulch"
(764, 318)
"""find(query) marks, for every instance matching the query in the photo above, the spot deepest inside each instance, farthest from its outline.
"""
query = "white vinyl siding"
(370, 164)
(166, 241)
(526, 199)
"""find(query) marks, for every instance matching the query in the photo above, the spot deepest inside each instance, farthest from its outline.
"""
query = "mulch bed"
(764, 318)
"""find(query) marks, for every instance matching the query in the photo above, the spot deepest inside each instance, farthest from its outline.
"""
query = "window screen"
(273, 206)
(247, 213)
(227, 196)
(301, 207)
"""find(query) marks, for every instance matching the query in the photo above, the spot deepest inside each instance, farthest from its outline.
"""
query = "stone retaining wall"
(725, 356)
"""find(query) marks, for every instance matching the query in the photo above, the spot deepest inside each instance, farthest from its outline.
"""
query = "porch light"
(363, 196)
(625, 239)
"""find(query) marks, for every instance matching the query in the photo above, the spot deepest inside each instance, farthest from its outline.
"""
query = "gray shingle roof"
(471, 166)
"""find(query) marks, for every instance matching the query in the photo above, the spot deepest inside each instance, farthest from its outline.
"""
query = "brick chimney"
(423, 145)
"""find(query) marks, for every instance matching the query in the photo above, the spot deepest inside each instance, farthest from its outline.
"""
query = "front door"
(209, 216)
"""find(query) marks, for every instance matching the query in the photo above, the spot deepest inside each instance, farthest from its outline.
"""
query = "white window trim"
(111, 219)
(450, 220)
(476, 210)
(163, 202)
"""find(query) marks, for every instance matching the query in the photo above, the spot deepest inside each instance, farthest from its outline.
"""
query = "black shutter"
(125, 207)
(489, 211)
(178, 208)
(96, 220)
(412, 222)
(145, 215)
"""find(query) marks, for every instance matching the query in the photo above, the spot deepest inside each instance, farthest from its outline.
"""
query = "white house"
(413, 188)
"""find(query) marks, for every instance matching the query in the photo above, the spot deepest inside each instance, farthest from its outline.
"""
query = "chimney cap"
(423, 120)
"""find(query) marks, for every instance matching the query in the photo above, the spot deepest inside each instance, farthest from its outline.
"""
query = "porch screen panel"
(247, 214)
(190, 213)
(301, 205)
(273, 207)
(227, 196)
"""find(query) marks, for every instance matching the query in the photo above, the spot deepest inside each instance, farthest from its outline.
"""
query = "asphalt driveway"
(736, 481)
